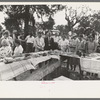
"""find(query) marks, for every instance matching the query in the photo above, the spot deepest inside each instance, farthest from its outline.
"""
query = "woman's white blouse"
(30, 39)
(63, 42)
(18, 50)
(5, 51)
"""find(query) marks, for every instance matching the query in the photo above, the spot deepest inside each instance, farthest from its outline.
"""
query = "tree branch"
(75, 23)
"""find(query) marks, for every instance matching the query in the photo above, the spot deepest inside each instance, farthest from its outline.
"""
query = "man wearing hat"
(73, 42)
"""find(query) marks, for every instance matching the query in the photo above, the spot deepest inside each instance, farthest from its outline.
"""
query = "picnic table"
(89, 63)
(12, 70)
(44, 65)
(73, 60)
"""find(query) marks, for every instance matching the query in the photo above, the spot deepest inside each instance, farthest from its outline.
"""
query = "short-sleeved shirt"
(18, 50)
(63, 44)
(80, 45)
(57, 39)
(30, 39)
(91, 46)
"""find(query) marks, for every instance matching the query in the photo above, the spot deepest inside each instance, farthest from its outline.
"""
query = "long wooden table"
(88, 64)
(72, 60)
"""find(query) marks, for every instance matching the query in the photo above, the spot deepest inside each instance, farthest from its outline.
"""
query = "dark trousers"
(29, 47)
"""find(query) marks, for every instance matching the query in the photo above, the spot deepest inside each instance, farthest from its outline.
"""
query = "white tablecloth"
(11, 70)
(90, 64)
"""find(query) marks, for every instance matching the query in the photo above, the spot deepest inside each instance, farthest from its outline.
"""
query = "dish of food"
(8, 60)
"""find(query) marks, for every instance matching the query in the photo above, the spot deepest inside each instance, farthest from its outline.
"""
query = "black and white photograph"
(50, 42)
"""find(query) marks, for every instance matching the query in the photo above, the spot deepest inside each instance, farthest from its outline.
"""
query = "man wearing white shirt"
(30, 43)
(56, 37)
(64, 44)
(39, 42)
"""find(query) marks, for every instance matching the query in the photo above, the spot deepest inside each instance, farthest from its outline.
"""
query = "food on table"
(44, 54)
(19, 58)
(8, 60)
(94, 54)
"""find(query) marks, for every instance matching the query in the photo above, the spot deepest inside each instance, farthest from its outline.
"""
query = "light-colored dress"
(9, 40)
(30, 39)
(80, 45)
(73, 44)
(5, 51)
(91, 47)
(18, 50)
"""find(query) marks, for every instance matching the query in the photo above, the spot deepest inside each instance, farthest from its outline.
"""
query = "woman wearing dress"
(7, 37)
(91, 45)
(18, 49)
(5, 50)
(80, 44)
(98, 46)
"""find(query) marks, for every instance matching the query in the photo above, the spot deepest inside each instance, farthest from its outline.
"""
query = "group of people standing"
(16, 44)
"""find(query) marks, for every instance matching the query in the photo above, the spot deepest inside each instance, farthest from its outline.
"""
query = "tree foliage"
(17, 13)
(74, 16)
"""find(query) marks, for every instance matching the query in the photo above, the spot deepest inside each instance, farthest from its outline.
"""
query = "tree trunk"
(27, 17)
(69, 26)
